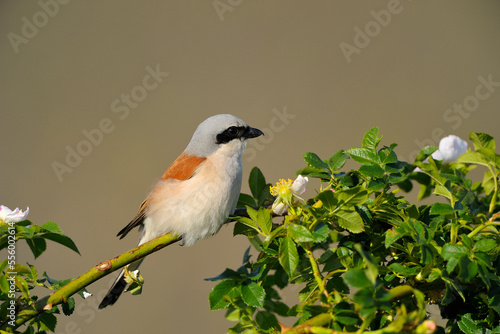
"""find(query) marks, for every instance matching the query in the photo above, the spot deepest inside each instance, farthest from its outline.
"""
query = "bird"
(196, 194)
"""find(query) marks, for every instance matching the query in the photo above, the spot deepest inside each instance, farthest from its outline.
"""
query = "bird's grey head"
(218, 131)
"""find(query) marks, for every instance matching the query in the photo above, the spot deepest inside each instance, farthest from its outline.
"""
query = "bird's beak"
(252, 133)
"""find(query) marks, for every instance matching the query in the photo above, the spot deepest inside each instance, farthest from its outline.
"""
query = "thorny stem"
(94, 274)
(317, 274)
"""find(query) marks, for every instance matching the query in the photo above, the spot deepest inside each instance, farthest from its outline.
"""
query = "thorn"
(103, 266)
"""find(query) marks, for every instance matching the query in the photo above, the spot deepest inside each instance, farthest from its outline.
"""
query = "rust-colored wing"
(181, 169)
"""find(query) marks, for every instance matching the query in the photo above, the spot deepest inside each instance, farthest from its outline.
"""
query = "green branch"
(94, 274)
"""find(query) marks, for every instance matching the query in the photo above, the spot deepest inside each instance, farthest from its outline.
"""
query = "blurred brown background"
(313, 75)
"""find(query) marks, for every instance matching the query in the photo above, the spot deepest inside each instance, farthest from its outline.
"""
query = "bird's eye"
(229, 134)
(233, 131)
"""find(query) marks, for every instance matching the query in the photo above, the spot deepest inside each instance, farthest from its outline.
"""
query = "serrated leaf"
(371, 139)
(450, 251)
(267, 321)
(441, 209)
(37, 246)
(242, 229)
(372, 170)
(321, 233)
(300, 233)
(327, 197)
(61, 239)
(352, 196)
(47, 321)
(51, 227)
(307, 292)
(219, 296)
(337, 161)
(253, 294)
(256, 181)
(245, 200)
(485, 245)
(387, 156)
(350, 220)
(393, 235)
(264, 220)
(69, 306)
(468, 269)
(288, 256)
(315, 161)
(473, 158)
(482, 140)
(363, 155)
(247, 221)
(467, 325)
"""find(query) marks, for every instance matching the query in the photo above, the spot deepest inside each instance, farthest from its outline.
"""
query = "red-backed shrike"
(197, 193)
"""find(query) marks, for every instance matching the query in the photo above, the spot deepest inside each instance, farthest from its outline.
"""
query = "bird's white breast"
(195, 208)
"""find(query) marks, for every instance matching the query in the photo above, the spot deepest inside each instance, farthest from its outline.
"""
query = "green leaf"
(346, 317)
(363, 155)
(299, 233)
(371, 139)
(467, 325)
(337, 160)
(482, 140)
(266, 321)
(328, 198)
(393, 235)
(388, 156)
(321, 233)
(288, 256)
(356, 278)
(352, 196)
(265, 220)
(256, 181)
(485, 245)
(69, 306)
(247, 221)
(37, 246)
(372, 170)
(219, 296)
(473, 158)
(253, 294)
(450, 251)
(61, 239)
(51, 227)
(48, 322)
(243, 229)
(350, 220)
(314, 161)
(405, 271)
(245, 200)
(468, 269)
(441, 209)
(4, 284)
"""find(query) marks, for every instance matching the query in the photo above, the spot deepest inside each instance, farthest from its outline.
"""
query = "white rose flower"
(450, 148)
(9, 216)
